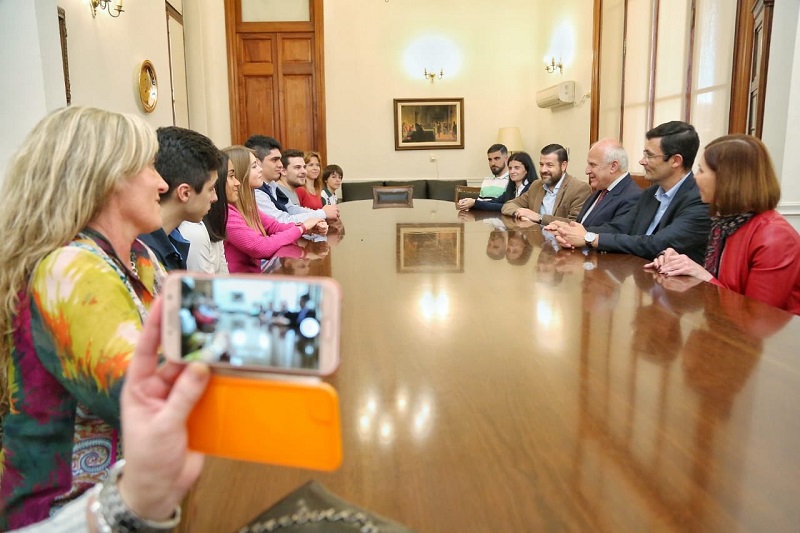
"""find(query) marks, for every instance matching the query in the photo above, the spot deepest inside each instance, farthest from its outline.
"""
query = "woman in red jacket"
(752, 249)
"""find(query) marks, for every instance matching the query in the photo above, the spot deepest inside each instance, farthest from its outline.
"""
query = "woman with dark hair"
(207, 253)
(752, 249)
(521, 173)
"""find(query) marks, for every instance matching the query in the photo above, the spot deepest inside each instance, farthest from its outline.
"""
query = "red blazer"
(762, 260)
(311, 201)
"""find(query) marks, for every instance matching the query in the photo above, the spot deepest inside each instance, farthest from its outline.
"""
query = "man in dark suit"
(668, 214)
(615, 191)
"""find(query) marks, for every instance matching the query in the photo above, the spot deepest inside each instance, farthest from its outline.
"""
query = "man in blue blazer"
(615, 191)
(668, 214)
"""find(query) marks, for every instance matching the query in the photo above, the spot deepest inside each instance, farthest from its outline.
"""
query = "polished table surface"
(537, 390)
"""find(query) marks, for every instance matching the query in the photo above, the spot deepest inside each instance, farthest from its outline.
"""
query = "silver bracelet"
(112, 515)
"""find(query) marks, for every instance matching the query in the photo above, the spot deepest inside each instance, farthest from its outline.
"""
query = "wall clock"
(148, 86)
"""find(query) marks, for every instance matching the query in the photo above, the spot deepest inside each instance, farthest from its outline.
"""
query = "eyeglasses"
(651, 156)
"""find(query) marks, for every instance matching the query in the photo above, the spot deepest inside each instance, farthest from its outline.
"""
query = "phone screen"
(252, 322)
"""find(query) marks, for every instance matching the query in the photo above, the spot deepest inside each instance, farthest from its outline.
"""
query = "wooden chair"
(463, 191)
(392, 197)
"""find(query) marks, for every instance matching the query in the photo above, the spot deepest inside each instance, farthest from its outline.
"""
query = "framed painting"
(428, 123)
(430, 247)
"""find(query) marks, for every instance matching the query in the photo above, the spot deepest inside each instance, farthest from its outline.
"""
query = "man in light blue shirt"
(670, 214)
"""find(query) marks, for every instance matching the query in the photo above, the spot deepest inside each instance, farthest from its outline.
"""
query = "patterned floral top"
(73, 336)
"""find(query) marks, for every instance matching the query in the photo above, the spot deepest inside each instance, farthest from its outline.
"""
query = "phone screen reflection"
(251, 322)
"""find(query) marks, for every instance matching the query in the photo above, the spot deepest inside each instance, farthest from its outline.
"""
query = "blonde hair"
(246, 204)
(317, 182)
(57, 182)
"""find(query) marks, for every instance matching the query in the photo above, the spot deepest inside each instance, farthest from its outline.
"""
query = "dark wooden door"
(276, 79)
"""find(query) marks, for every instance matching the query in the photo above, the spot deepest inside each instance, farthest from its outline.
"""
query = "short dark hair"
(498, 148)
(291, 152)
(331, 169)
(261, 145)
(185, 156)
(557, 149)
(677, 138)
(216, 220)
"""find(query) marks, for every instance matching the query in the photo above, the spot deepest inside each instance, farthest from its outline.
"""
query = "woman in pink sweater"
(252, 235)
(752, 249)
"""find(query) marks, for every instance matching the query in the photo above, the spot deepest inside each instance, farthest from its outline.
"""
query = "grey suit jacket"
(569, 200)
(684, 226)
(616, 203)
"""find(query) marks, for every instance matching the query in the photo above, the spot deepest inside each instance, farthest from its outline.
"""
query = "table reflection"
(535, 388)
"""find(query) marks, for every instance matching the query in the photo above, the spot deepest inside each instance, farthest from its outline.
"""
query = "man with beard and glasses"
(556, 196)
(496, 184)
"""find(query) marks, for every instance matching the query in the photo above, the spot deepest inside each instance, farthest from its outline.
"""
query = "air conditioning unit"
(557, 95)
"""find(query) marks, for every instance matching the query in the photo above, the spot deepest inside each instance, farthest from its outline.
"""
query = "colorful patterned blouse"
(73, 337)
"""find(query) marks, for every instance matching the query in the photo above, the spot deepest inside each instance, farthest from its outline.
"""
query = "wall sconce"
(553, 66)
(104, 4)
(432, 75)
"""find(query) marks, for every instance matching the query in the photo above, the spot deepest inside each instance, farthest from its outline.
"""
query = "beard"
(497, 171)
(550, 181)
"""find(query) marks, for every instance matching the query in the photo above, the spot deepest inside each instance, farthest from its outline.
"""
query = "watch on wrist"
(589, 237)
(113, 515)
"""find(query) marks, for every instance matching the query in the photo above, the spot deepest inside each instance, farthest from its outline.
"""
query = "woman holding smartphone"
(309, 195)
(752, 249)
(75, 286)
(207, 253)
(252, 235)
(521, 173)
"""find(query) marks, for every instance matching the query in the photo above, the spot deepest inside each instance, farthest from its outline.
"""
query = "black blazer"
(684, 226)
(617, 202)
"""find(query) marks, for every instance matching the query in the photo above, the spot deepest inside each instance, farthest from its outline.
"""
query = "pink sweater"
(245, 247)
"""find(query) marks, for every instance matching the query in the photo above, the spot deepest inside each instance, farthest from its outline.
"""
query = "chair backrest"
(358, 190)
(463, 191)
(443, 190)
(392, 197)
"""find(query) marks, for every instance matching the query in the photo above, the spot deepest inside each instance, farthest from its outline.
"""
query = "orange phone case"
(280, 422)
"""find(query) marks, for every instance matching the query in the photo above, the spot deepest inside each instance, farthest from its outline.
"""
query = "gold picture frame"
(430, 248)
(428, 123)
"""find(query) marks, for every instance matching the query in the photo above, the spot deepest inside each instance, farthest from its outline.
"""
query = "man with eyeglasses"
(615, 192)
(668, 214)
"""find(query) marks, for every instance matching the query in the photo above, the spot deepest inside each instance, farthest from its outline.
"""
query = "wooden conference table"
(540, 390)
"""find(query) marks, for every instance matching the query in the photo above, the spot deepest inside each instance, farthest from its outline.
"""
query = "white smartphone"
(252, 323)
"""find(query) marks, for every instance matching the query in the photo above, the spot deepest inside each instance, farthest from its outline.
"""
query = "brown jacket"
(569, 200)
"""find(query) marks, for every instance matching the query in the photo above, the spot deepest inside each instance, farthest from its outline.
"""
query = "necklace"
(133, 265)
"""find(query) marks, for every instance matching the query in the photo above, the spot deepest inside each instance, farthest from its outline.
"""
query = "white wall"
(782, 107)
(364, 71)
(501, 49)
(30, 57)
(207, 69)
(104, 58)
(105, 55)
(565, 32)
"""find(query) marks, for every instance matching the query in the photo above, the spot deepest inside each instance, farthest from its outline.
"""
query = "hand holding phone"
(251, 329)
